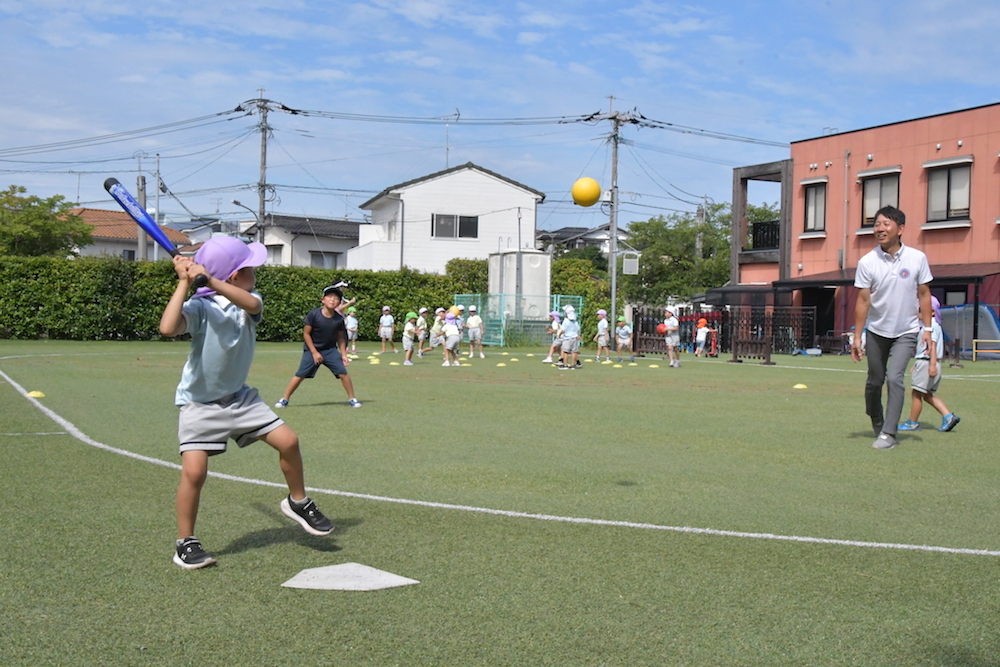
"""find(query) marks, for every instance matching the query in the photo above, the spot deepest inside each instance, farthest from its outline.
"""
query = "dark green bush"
(112, 299)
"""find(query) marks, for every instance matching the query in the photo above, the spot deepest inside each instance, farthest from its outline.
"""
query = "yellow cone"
(501, 364)
(800, 386)
(36, 394)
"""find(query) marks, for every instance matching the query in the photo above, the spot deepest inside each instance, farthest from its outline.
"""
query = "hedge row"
(113, 299)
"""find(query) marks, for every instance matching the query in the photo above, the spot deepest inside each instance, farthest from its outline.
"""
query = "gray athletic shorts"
(602, 341)
(475, 333)
(437, 340)
(570, 345)
(920, 378)
(453, 343)
(352, 335)
(242, 416)
(674, 341)
(407, 344)
(385, 332)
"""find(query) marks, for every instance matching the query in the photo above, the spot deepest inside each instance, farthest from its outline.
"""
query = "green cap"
(352, 309)
(621, 318)
(411, 315)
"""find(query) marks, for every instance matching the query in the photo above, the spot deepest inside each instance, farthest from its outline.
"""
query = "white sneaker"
(447, 363)
(407, 363)
(354, 403)
(547, 360)
(482, 356)
(456, 363)
(281, 404)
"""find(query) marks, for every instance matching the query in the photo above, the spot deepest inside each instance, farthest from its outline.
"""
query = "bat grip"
(200, 280)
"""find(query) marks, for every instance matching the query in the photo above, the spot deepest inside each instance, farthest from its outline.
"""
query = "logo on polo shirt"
(904, 273)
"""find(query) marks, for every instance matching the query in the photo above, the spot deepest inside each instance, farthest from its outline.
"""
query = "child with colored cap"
(386, 328)
(216, 404)
(623, 336)
(409, 337)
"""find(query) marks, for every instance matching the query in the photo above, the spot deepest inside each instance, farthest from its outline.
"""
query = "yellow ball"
(454, 311)
(586, 192)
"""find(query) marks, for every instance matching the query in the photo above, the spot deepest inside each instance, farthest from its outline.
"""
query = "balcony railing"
(764, 235)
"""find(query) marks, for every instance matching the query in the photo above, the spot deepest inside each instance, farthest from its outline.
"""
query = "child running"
(386, 328)
(421, 331)
(553, 328)
(409, 337)
(215, 402)
(925, 378)
(623, 336)
(324, 344)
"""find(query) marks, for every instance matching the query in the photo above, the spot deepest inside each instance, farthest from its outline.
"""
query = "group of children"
(447, 330)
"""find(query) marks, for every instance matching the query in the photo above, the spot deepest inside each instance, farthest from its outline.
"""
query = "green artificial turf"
(87, 579)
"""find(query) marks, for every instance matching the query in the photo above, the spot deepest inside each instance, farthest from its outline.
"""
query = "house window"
(816, 207)
(128, 255)
(323, 260)
(948, 193)
(879, 191)
(274, 255)
(455, 226)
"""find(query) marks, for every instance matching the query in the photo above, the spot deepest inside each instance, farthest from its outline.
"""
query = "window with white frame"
(128, 255)
(323, 260)
(816, 207)
(454, 226)
(879, 191)
(274, 255)
(948, 190)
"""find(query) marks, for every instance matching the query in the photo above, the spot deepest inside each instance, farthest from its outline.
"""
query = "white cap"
(472, 307)
(569, 308)
(386, 308)
(461, 307)
(422, 311)
(439, 310)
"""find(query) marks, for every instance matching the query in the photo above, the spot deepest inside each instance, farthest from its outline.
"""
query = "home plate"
(347, 577)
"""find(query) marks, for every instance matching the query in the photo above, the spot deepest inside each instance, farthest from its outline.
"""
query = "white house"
(464, 212)
(293, 240)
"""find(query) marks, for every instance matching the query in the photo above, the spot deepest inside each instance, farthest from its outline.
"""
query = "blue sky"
(776, 71)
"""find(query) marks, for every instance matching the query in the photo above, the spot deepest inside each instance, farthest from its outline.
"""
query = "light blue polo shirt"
(223, 337)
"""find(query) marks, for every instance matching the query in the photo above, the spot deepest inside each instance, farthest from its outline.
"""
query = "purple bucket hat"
(936, 307)
(222, 256)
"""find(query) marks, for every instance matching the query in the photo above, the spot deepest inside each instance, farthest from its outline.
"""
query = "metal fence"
(784, 328)
(517, 320)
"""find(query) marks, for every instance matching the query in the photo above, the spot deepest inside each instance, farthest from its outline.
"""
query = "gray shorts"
(407, 344)
(674, 341)
(385, 332)
(920, 378)
(352, 335)
(602, 341)
(243, 417)
(570, 345)
(475, 333)
(453, 343)
(437, 340)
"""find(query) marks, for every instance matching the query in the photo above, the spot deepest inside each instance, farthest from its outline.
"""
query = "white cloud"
(530, 38)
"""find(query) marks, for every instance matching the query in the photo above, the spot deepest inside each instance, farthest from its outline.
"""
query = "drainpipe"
(402, 216)
(843, 251)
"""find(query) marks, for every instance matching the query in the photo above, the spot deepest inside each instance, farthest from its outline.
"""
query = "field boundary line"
(84, 438)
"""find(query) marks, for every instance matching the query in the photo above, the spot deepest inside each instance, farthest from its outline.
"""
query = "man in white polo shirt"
(893, 280)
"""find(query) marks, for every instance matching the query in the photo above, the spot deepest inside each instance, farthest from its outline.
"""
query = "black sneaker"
(190, 555)
(308, 516)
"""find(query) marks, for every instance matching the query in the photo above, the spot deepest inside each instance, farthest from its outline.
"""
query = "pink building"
(942, 171)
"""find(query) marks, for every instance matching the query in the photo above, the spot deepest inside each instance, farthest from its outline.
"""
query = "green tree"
(682, 254)
(592, 254)
(35, 227)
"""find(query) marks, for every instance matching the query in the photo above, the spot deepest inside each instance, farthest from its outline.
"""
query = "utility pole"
(262, 183)
(140, 186)
(156, 188)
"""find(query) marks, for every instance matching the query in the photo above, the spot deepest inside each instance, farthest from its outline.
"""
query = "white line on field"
(84, 438)
(48, 433)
